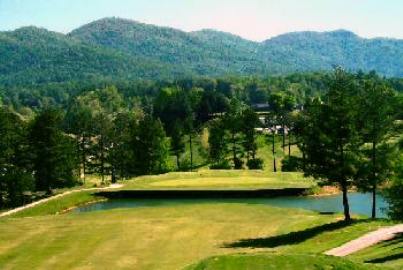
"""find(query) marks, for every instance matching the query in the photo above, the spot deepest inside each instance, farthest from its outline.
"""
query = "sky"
(252, 19)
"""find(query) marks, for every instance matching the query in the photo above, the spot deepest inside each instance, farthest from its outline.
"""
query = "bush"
(395, 199)
(394, 194)
(291, 164)
(224, 165)
(255, 164)
(238, 163)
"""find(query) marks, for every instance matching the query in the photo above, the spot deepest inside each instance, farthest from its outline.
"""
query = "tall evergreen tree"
(395, 190)
(150, 147)
(15, 173)
(54, 153)
(218, 145)
(330, 140)
(377, 127)
(177, 143)
(233, 123)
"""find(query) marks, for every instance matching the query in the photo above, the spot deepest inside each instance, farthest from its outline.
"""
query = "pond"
(360, 203)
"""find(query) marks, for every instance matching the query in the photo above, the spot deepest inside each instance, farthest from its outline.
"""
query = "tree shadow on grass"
(386, 258)
(395, 240)
(290, 238)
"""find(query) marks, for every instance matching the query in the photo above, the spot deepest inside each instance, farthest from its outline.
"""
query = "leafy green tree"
(98, 109)
(281, 105)
(177, 143)
(271, 124)
(120, 155)
(150, 147)
(80, 121)
(330, 140)
(15, 173)
(54, 153)
(249, 123)
(174, 105)
(233, 123)
(218, 145)
(377, 121)
(394, 193)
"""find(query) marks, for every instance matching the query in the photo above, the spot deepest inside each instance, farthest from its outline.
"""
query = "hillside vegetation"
(114, 48)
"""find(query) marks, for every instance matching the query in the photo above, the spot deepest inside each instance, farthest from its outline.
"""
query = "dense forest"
(115, 49)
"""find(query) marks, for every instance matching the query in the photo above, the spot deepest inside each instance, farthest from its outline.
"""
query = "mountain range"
(114, 48)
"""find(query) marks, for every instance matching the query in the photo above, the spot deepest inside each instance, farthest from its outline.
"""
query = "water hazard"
(360, 203)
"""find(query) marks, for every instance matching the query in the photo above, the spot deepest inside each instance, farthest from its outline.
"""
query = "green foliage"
(15, 176)
(330, 139)
(255, 164)
(115, 49)
(53, 153)
(291, 164)
(150, 147)
(394, 192)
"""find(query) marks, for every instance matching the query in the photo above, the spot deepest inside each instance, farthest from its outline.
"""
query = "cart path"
(366, 240)
(18, 209)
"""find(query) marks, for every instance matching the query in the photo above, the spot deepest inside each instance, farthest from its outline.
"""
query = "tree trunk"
(233, 149)
(373, 201)
(83, 157)
(303, 159)
(289, 144)
(374, 186)
(191, 151)
(177, 161)
(113, 177)
(102, 160)
(346, 205)
(283, 127)
(274, 153)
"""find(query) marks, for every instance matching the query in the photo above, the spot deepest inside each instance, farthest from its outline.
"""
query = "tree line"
(347, 134)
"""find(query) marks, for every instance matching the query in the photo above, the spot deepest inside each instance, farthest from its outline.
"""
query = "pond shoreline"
(201, 194)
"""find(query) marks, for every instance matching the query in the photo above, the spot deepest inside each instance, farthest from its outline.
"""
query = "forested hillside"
(119, 49)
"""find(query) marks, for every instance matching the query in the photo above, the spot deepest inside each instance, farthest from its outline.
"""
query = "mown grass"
(175, 236)
(319, 237)
(221, 179)
(275, 262)
(168, 237)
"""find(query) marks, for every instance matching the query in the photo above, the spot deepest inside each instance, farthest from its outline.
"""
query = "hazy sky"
(253, 19)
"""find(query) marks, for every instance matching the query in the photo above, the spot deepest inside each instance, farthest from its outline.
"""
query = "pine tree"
(330, 139)
(377, 125)
(150, 147)
(54, 153)
(15, 173)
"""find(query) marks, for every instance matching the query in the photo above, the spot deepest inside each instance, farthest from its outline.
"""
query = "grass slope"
(168, 237)
(274, 262)
(389, 253)
(175, 236)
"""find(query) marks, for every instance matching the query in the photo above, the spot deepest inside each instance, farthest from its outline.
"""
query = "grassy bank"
(59, 205)
(274, 262)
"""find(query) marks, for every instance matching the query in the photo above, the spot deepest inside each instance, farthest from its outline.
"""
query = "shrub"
(238, 163)
(224, 165)
(291, 164)
(255, 164)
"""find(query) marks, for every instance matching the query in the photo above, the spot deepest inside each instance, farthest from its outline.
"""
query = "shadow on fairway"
(397, 239)
(289, 238)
